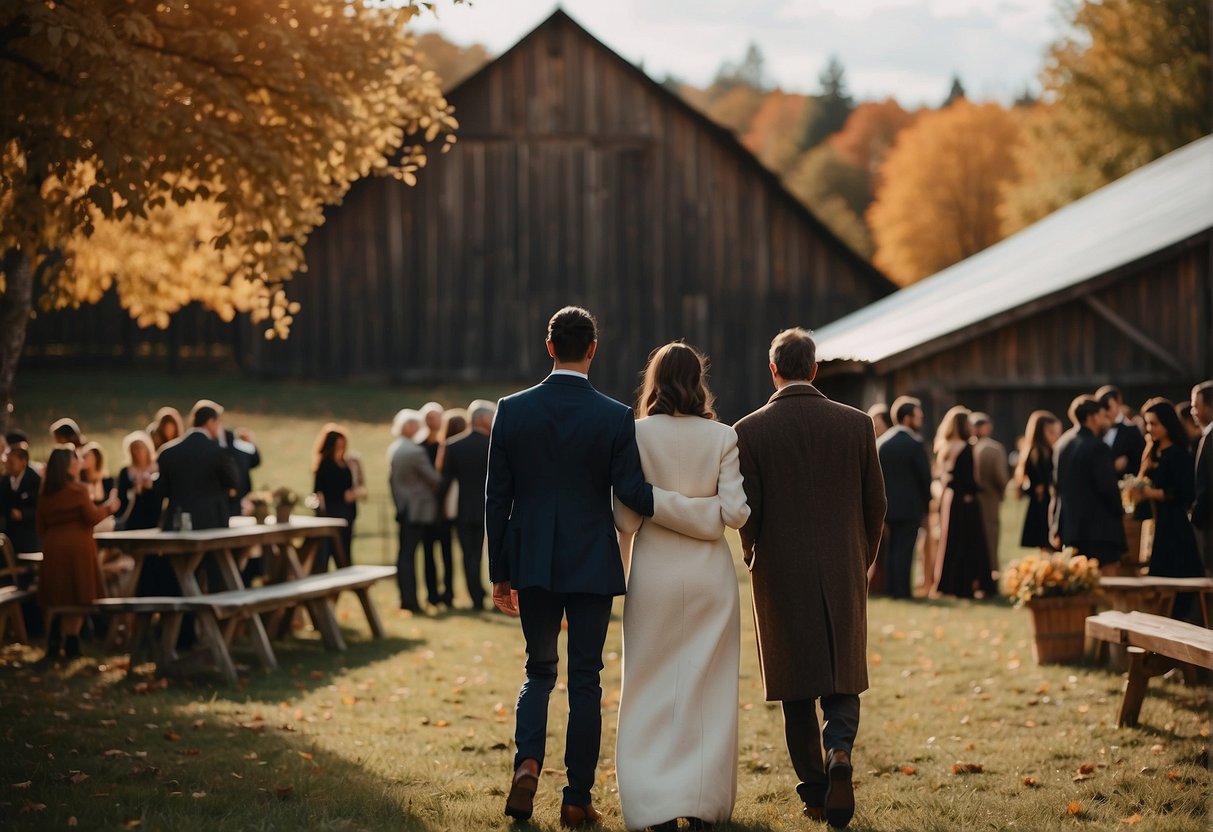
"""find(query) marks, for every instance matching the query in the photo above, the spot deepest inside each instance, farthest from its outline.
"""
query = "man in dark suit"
(1086, 510)
(556, 453)
(907, 486)
(245, 456)
(197, 477)
(19, 500)
(1122, 436)
(1202, 506)
(466, 462)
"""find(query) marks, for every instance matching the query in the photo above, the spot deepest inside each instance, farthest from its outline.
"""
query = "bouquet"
(1040, 576)
(1130, 491)
(283, 497)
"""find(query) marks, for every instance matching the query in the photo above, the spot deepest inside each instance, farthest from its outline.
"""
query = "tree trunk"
(16, 304)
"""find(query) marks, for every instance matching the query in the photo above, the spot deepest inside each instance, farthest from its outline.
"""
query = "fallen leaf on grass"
(1173, 774)
(78, 777)
(72, 821)
(198, 794)
(442, 723)
(305, 755)
(1074, 808)
(317, 675)
(1086, 768)
(909, 770)
(172, 736)
(192, 752)
(236, 776)
(132, 824)
(967, 768)
(24, 784)
(1030, 782)
(1156, 749)
(1131, 819)
(252, 755)
(114, 753)
(283, 791)
(31, 806)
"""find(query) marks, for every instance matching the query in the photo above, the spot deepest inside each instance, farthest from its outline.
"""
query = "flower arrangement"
(259, 505)
(1038, 576)
(284, 497)
(1130, 491)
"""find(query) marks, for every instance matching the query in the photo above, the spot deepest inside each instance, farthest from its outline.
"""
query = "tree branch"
(46, 74)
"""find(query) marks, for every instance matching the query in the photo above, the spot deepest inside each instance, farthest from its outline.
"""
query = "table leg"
(218, 647)
(230, 574)
(184, 569)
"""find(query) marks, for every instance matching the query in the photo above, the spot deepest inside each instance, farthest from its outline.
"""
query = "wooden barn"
(576, 179)
(1114, 288)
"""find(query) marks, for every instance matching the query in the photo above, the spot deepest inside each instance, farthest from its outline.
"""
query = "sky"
(905, 48)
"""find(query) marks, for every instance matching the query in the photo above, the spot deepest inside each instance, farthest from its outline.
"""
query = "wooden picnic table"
(229, 549)
(1156, 595)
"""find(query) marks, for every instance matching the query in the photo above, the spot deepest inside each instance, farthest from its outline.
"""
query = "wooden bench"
(232, 606)
(1155, 645)
(1156, 595)
(13, 594)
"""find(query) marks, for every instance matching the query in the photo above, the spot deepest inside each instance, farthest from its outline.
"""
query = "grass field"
(960, 730)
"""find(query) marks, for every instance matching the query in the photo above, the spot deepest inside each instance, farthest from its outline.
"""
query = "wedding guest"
(413, 481)
(334, 487)
(1086, 510)
(1191, 427)
(197, 476)
(681, 665)
(94, 474)
(1202, 501)
(69, 576)
(66, 432)
(1034, 478)
(166, 427)
(879, 414)
(990, 466)
(137, 504)
(1122, 436)
(964, 567)
(1172, 489)
(817, 504)
(465, 465)
(907, 485)
(240, 446)
(19, 499)
(436, 538)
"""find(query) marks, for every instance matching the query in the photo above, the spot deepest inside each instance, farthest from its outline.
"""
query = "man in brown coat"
(992, 472)
(817, 503)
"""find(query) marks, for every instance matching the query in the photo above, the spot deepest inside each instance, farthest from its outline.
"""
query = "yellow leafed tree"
(939, 191)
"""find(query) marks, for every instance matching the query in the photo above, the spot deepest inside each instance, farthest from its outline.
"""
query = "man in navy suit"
(556, 453)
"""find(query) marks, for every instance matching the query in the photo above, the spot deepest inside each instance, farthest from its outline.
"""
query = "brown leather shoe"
(572, 816)
(840, 793)
(520, 803)
(817, 813)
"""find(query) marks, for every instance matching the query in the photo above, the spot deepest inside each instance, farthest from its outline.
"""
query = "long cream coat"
(677, 748)
(817, 505)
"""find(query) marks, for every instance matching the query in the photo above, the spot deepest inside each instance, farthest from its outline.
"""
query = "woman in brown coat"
(70, 574)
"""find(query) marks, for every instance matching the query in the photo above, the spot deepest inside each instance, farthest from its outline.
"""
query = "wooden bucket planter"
(1059, 627)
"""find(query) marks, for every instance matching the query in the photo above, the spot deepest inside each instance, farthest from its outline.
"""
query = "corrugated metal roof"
(1157, 205)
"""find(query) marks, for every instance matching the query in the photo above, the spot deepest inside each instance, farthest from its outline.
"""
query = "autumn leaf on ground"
(283, 791)
(1131, 819)
(1173, 774)
(252, 755)
(31, 806)
(24, 784)
(442, 723)
(967, 768)
(305, 754)
(1074, 808)
(172, 736)
(1030, 782)
(78, 777)
(909, 770)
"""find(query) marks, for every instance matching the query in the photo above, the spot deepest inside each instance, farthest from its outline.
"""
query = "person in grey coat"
(817, 506)
(414, 483)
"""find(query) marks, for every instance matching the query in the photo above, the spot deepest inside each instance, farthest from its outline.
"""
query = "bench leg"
(325, 620)
(1142, 666)
(218, 647)
(372, 614)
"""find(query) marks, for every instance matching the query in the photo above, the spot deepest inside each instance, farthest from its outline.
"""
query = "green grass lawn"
(960, 730)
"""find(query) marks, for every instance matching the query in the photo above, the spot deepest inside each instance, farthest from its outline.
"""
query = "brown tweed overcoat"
(817, 505)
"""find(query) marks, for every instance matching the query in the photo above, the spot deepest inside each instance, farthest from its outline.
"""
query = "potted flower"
(1059, 592)
(284, 501)
(259, 503)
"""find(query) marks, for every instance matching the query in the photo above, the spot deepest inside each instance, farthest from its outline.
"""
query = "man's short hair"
(571, 331)
(903, 408)
(16, 437)
(21, 452)
(1084, 407)
(794, 354)
(1108, 393)
(1204, 392)
(978, 419)
(203, 411)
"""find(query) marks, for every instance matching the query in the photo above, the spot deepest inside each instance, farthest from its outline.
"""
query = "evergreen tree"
(833, 105)
(957, 91)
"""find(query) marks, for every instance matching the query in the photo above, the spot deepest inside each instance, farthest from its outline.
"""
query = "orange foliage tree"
(938, 201)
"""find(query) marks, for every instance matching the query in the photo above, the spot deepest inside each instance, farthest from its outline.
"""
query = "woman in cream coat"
(676, 755)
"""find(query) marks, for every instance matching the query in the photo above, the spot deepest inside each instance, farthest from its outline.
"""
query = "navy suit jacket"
(556, 452)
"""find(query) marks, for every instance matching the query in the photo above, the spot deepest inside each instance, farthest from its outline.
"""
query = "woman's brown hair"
(675, 381)
(1038, 447)
(326, 444)
(56, 476)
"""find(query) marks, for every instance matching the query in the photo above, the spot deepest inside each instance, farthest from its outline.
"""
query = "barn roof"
(1158, 205)
(876, 278)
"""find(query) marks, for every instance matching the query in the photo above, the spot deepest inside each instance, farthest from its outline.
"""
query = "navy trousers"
(841, 712)
(589, 616)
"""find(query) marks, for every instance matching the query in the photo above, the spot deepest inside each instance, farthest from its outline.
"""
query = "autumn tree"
(127, 121)
(837, 192)
(771, 133)
(833, 106)
(1128, 83)
(868, 136)
(939, 196)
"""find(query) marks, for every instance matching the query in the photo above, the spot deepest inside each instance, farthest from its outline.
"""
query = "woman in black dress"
(93, 474)
(1034, 476)
(334, 487)
(964, 565)
(1172, 489)
(138, 506)
(437, 533)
